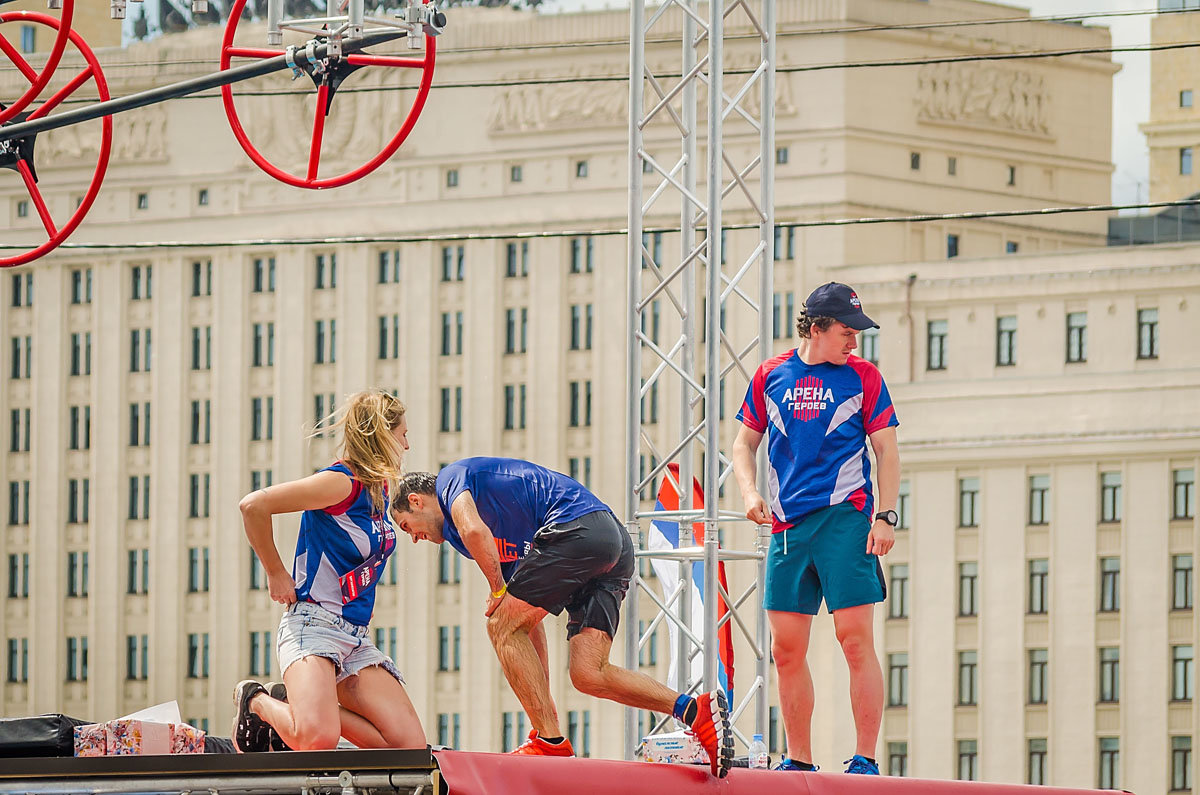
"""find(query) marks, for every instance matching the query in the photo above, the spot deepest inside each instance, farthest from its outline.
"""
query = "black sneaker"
(277, 691)
(248, 732)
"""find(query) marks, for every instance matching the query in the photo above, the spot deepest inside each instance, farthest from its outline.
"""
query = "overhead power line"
(474, 236)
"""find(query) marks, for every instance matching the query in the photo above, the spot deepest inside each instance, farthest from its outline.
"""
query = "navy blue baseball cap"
(839, 302)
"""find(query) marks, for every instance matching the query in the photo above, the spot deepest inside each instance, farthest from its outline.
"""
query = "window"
(81, 286)
(139, 572)
(1011, 247)
(968, 502)
(202, 273)
(260, 653)
(936, 348)
(1182, 673)
(581, 404)
(1185, 161)
(898, 590)
(22, 287)
(1006, 341)
(19, 431)
(968, 589)
(514, 407)
(515, 173)
(1183, 495)
(516, 260)
(774, 724)
(389, 266)
(1185, 101)
(449, 565)
(869, 345)
(968, 760)
(201, 422)
(449, 648)
(28, 38)
(516, 330)
(513, 729)
(1147, 331)
(258, 576)
(197, 569)
(581, 327)
(651, 249)
(453, 263)
(201, 347)
(139, 417)
(141, 282)
(18, 659)
(580, 469)
(389, 336)
(1077, 336)
(451, 409)
(323, 413)
(581, 254)
(897, 759)
(385, 639)
(18, 502)
(1110, 585)
(783, 309)
(78, 500)
(650, 321)
(897, 680)
(952, 166)
(77, 659)
(81, 428)
(914, 161)
(649, 403)
(579, 731)
(1110, 763)
(1036, 768)
(198, 502)
(325, 341)
(197, 659)
(1110, 674)
(22, 357)
(1012, 176)
(951, 246)
(452, 178)
(262, 418)
(902, 506)
(18, 576)
(1039, 668)
(137, 657)
(263, 351)
(648, 652)
(325, 269)
(1181, 582)
(968, 678)
(781, 155)
(1039, 586)
(1039, 499)
(77, 573)
(139, 508)
(1110, 496)
(581, 169)
(1181, 753)
(143, 201)
(264, 275)
(785, 242)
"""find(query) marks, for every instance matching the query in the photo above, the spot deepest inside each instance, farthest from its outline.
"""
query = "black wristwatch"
(891, 517)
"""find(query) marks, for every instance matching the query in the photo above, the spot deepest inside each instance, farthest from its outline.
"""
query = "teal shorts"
(823, 556)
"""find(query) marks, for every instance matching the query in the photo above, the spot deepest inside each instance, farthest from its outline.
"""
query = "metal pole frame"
(726, 185)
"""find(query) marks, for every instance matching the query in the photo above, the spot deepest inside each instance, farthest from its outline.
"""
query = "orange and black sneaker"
(711, 728)
(536, 746)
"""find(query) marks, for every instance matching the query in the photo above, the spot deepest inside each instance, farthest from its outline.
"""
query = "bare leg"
(592, 673)
(537, 635)
(855, 631)
(382, 704)
(789, 644)
(310, 719)
(510, 628)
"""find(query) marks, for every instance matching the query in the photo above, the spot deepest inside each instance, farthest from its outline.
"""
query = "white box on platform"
(673, 748)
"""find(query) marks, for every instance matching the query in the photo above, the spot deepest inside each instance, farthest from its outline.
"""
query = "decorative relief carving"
(139, 136)
(981, 94)
(521, 109)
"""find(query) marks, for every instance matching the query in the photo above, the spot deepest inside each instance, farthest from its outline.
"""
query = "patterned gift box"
(186, 739)
(126, 737)
(91, 739)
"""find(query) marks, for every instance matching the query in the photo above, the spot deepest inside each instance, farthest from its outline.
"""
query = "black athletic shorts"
(582, 566)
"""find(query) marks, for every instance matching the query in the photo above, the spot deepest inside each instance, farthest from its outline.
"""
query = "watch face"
(891, 517)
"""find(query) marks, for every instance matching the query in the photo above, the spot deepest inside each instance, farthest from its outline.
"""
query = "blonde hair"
(365, 421)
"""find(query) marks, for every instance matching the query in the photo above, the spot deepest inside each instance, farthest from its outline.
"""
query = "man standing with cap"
(820, 404)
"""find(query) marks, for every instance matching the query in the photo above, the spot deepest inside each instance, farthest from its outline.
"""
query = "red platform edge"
(471, 773)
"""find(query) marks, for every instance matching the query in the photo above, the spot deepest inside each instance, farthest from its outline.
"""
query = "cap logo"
(854, 302)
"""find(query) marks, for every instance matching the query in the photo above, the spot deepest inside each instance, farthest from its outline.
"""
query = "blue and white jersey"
(341, 551)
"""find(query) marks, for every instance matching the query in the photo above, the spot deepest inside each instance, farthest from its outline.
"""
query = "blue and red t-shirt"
(515, 499)
(340, 553)
(817, 418)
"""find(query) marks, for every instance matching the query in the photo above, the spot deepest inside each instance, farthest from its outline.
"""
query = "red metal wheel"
(37, 80)
(93, 72)
(310, 179)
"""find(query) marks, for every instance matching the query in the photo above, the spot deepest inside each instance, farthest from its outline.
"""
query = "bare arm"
(478, 539)
(311, 493)
(745, 469)
(887, 460)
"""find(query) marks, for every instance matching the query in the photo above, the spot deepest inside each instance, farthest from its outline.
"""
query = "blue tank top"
(341, 551)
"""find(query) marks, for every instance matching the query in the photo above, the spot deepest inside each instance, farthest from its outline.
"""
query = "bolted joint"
(54, 5)
(117, 9)
(199, 6)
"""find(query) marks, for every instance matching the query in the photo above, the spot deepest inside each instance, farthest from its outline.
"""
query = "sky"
(1131, 104)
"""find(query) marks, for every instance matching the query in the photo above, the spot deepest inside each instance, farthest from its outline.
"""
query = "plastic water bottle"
(758, 753)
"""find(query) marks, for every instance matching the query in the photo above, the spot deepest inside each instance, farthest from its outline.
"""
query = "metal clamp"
(289, 57)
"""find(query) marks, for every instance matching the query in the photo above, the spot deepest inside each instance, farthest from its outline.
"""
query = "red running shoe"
(536, 746)
(711, 728)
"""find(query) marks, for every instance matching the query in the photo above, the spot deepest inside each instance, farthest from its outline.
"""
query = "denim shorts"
(308, 629)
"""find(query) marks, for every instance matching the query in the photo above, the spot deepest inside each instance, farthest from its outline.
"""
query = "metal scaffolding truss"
(721, 284)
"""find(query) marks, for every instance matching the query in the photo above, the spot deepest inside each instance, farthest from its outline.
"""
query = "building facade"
(1173, 129)
(148, 389)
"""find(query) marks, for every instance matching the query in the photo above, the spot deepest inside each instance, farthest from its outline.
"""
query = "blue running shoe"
(862, 766)
(788, 764)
